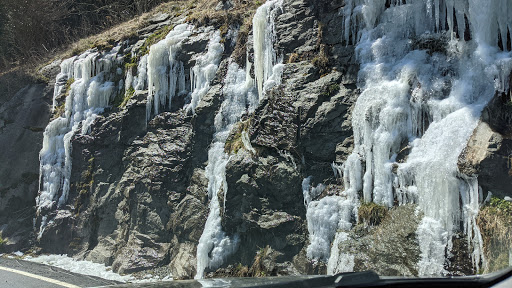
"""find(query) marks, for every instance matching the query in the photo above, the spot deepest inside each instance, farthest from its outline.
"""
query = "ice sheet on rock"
(239, 97)
(309, 192)
(324, 218)
(339, 262)
(265, 56)
(140, 81)
(88, 95)
(204, 71)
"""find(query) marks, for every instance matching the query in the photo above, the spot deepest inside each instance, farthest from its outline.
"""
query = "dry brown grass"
(204, 13)
(124, 30)
(321, 61)
(294, 57)
(372, 213)
(199, 13)
(104, 40)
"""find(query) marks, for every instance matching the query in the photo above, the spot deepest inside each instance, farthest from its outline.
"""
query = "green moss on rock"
(234, 142)
(123, 97)
(154, 38)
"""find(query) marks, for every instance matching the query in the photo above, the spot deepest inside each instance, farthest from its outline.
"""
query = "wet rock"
(459, 261)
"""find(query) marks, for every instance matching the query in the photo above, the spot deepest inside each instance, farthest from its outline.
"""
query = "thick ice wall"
(91, 91)
(265, 56)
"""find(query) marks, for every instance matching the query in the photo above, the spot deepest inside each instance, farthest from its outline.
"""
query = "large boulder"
(488, 154)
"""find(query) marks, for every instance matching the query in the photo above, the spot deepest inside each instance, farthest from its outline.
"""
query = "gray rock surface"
(22, 121)
(264, 205)
(488, 154)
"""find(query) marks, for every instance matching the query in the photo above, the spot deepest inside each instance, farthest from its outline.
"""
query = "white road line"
(42, 278)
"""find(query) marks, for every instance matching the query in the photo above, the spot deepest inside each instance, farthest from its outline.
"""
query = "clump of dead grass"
(372, 213)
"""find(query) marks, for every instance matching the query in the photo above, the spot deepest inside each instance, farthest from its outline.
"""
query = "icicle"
(265, 57)
(161, 69)
(142, 76)
(470, 205)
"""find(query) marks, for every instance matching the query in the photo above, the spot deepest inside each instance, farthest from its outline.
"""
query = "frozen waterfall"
(267, 73)
(426, 101)
(88, 79)
(240, 96)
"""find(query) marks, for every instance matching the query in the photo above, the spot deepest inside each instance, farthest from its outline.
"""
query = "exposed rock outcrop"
(389, 248)
(22, 121)
(488, 154)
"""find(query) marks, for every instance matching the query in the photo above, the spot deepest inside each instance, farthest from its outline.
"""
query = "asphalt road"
(16, 273)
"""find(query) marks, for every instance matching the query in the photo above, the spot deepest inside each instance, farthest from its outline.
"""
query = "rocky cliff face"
(140, 187)
(138, 193)
(22, 120)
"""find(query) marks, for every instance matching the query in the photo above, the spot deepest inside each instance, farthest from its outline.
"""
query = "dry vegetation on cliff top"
(200, 13)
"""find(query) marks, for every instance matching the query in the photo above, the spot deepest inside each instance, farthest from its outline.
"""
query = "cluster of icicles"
(404, 103)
